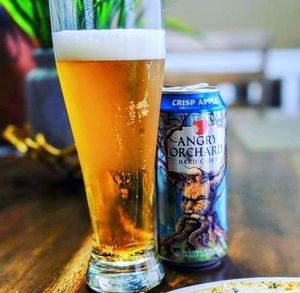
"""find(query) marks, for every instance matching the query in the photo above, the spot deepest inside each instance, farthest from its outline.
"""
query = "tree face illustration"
(199, 224)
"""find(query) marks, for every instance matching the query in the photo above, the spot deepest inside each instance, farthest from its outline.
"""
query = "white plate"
(256, 284)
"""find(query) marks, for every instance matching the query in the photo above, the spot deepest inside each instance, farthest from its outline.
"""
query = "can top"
(190, 89)
(192, 98)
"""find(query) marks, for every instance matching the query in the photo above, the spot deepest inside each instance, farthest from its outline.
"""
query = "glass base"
(134, 276)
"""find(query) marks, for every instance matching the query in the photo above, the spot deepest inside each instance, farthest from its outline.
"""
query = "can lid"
(190, 89)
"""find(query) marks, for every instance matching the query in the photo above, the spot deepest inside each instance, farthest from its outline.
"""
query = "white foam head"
(116, 44)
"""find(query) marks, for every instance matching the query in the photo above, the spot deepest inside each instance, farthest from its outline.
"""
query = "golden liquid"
(113, 107)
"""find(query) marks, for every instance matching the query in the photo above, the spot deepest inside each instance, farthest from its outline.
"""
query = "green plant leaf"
(104, 14)
(122, 16)
(80, 14)
(42, 29)
(180, 26)
(20, 13)
(37, 19)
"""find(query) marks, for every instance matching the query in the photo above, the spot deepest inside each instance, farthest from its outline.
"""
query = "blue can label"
(191, 184)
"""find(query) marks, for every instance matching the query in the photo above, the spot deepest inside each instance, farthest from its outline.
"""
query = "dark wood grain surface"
(45, 231)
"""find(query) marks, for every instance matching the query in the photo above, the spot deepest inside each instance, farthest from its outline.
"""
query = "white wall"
(281, 17)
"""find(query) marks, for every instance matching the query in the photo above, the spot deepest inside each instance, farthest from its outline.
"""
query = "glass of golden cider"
(110, 61)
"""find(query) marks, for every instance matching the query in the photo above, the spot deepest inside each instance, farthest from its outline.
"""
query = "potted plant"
(44, 103)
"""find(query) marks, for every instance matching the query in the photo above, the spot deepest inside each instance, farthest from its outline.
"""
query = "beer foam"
(116, 44)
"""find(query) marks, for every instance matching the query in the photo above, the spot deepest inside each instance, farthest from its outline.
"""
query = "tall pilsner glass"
(110, 61)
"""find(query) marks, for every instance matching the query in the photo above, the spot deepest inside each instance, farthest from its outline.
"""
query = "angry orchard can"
(191, 176)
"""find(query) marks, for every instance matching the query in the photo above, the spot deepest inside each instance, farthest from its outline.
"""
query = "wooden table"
(45, 231)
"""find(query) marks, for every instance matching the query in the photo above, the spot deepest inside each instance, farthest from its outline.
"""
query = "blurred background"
(280, 18)
(250, 49)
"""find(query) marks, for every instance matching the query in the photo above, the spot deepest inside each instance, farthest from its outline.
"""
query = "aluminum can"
(191, 191)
